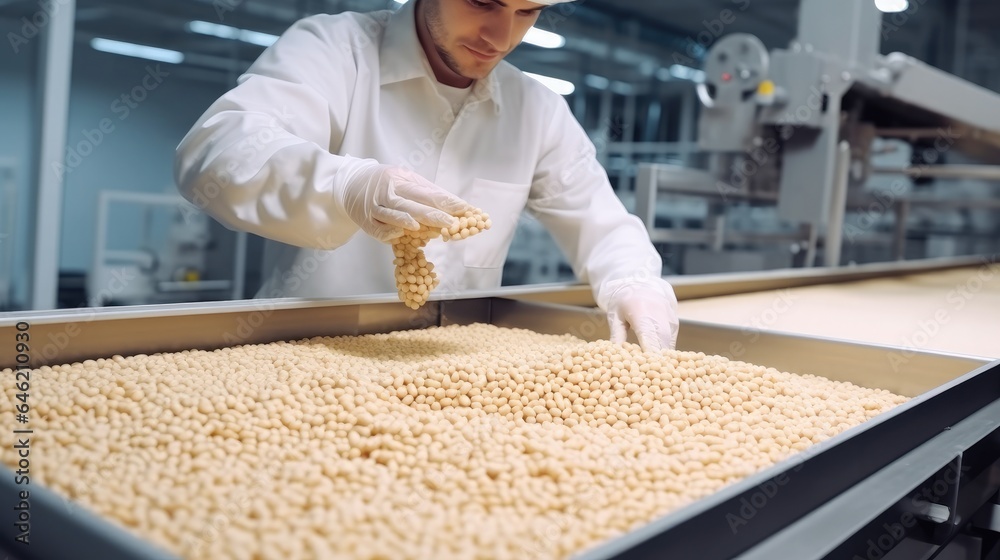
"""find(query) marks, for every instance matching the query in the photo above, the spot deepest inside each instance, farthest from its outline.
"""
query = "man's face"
(473, 36)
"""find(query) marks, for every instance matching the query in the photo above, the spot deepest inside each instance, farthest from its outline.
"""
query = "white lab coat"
(264, 157)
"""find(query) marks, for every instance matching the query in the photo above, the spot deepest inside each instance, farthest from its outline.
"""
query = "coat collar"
(401, 57)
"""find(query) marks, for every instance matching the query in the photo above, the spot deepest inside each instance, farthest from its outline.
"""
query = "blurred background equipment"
(811, 131)
(721, 123)
(8, 225)
(164, 259)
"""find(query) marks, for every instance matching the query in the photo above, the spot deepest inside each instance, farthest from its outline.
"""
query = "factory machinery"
(920, 481)
(806, 130)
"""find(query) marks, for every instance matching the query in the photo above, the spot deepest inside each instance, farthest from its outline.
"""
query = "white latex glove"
(650, 310)
(384, 200)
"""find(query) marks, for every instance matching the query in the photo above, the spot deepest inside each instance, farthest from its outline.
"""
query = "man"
(384, 121)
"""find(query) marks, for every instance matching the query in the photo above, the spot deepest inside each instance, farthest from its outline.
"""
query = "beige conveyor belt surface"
(955, 311)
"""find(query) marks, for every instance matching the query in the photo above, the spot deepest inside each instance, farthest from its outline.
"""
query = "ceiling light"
(892, 6)
(682, 72)
(213, 29)
(544, 39)
(562, 87)
(622, 88)
(138, 51)
(596, 82)
(233, 33)
(257, 38)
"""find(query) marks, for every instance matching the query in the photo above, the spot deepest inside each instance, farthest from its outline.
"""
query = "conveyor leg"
(838, 207)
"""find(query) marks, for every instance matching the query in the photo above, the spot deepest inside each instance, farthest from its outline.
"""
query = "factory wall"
(126, 116)
(130, 114)
(17, 142)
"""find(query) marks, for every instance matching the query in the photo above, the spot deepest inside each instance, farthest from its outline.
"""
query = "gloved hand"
(650, 310)
(384, 200)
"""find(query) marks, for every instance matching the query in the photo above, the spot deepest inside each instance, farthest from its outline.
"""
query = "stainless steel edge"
(820, 532)
(715, 285)
(73, 341)
(903, 371)
(56, 523)
(686, 287)
(551, 318)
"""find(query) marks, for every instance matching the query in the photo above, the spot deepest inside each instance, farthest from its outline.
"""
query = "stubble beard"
(437, 33)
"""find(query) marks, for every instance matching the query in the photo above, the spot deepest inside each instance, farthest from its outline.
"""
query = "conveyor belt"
(955, 311)
(952, 392)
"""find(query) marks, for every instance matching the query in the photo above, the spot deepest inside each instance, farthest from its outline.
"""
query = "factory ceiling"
(627, 41)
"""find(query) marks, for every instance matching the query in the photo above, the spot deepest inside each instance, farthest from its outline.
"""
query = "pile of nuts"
(449, 442)
(415, 277)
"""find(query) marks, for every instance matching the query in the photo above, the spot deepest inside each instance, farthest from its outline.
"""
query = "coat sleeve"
(259, 159)
(571, 195)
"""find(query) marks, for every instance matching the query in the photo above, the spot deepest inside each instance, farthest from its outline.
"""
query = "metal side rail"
(913, 508)
(61, 528)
